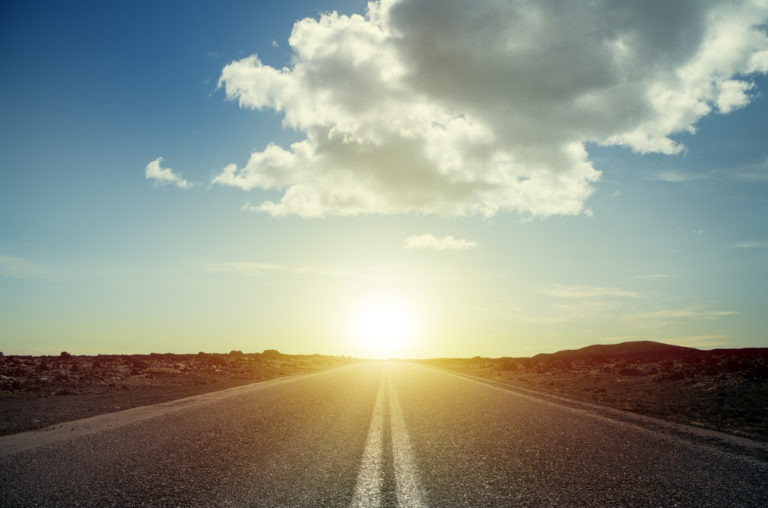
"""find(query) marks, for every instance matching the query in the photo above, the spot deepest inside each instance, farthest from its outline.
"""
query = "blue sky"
(665, 243)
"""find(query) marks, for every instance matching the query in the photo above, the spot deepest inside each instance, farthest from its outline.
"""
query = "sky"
(415, 178)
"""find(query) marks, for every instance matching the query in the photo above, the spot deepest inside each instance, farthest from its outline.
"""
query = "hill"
(721, 389)
(635, 350)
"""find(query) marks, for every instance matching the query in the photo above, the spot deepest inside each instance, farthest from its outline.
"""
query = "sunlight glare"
(383, 329)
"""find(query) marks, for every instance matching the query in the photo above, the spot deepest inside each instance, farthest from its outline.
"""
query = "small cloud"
(588, 292)
(20, 268)
(275, 44)
(164, 176)
(756, 172)
(246, 268)
(256, 269)
(427, 241)
(698, 341)
(655, 276)
(323, 271)
(749, 245)
(699, 232)
(681, 314)
(678, 176)
(568, 310)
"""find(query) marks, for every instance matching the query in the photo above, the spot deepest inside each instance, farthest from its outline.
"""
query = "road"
(374, 434)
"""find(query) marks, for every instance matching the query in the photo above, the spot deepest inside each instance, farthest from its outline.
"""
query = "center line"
(368, 491)
(371, 478)
(407, 485)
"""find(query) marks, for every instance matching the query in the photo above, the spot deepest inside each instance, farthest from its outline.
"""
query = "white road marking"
(370, 480)
(407, 485)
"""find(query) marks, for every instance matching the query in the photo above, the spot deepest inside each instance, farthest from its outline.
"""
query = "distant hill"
(633, 349)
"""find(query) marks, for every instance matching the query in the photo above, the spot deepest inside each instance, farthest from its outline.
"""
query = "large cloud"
(455, 107)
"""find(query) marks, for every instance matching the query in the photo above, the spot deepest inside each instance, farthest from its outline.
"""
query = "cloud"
(20, 268)
(680, 314)
(572, 310)
(749, 245)
(164, 176)
(254, 269)
(656, 276)
(245, 268)
(756, 172)
(486, 107)
(698, 341)
(257, 269)
(577, 292)
(678, 176)
(427, 241)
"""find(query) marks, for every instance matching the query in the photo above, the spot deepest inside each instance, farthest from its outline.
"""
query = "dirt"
(38, 391)
(724, 390)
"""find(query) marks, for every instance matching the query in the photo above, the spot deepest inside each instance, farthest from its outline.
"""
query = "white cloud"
(427, 241)
(164, 176)
(749, 245)
(256, 269)
(751, 172)
(572, 310)
(588, 292)
(680, 314)
(21, 268)
(698, 341)
(245, 268)
(487, 106)
(679, 176)
(656, 276)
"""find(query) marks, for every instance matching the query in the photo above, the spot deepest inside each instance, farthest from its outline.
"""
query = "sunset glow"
(383, 328)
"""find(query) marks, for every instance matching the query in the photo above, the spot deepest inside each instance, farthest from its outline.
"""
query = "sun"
(383, 328)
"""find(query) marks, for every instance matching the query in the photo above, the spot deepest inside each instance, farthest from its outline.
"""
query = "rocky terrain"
(37, 391)
(721, 389)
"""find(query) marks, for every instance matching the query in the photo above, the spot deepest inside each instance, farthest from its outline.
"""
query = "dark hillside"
(634, 350)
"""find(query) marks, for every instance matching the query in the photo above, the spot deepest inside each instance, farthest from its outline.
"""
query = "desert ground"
(721, 389)
(38, 391)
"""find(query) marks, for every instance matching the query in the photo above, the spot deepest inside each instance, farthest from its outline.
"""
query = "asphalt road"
(376, 434)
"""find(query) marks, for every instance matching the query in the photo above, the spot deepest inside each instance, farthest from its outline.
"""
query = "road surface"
(376, 434)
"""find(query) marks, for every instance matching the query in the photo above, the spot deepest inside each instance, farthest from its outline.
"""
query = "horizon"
(369, 179)
(373, 359)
